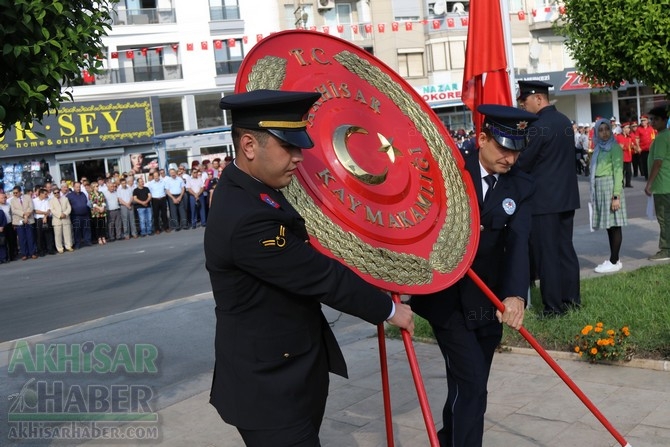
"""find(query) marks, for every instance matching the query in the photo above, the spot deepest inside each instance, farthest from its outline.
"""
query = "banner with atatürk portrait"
(384, 188)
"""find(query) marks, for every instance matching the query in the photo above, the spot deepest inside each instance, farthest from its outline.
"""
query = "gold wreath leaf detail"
(381, 263)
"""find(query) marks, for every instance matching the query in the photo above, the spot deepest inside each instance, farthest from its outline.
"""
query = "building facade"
(168, 62)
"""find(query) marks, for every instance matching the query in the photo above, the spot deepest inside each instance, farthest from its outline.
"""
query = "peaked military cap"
(508, 125)
(527, 88)
(279, 112)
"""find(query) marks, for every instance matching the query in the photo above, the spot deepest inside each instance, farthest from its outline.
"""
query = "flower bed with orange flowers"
(596, 343)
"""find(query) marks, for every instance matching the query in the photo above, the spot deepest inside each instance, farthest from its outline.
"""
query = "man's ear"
(482, 138)
(248, 145)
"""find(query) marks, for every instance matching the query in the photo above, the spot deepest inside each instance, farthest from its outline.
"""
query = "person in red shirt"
(636, 148)
(625, 140)
(646, 135)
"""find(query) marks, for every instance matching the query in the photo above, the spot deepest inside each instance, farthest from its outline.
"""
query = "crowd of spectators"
(53, 219)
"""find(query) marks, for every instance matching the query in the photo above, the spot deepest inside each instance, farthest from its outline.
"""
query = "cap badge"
(267, 199)
(509, 205)
(521, 125)
(277, 241)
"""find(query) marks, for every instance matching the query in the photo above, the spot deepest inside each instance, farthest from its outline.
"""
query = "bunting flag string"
(362, 29)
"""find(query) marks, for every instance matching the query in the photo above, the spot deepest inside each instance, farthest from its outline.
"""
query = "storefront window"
(172, 119)
(636, 101)
(25, 173)
(212, 152)
(207, 110)
(177, 157)
(455, 118)
(91, 169)
(113, 165)
(67, 172)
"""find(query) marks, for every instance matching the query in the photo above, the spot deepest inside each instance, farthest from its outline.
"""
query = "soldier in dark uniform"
(549, 158)
(466, 324)
(274, 348)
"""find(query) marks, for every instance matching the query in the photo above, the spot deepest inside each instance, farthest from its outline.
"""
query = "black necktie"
(491, 181)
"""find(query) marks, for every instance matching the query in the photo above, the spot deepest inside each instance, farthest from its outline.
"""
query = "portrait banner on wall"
(142, 162)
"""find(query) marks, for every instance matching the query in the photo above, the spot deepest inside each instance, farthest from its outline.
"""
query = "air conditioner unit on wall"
(325, 4)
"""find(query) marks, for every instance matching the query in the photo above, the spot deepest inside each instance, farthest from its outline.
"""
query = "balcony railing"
(228, 67)
(144, 16)
(224, 13)
(138, 74)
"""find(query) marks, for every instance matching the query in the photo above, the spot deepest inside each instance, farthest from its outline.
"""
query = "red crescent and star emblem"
(384, 188)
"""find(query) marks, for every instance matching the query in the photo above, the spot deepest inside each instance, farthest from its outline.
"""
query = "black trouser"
(468, 355)
(636, 164)
(12, 245)
(627, 173)
(45, 237)
(302, 435)
(556, 261)
(81, 226)
(159, 212)
(644, 155)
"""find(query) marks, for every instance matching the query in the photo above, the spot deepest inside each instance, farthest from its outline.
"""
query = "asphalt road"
(37, 296)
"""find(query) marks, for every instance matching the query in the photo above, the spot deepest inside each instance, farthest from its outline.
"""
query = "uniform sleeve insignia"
(277, 241)
(267, 199)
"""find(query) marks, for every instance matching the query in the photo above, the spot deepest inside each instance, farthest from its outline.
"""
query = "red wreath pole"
(552, 363)
(418, 383)
(386, 390)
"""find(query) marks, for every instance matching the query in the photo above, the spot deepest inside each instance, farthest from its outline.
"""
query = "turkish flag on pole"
(485, 79)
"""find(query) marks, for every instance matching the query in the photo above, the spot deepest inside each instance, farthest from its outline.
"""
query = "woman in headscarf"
(607, 199)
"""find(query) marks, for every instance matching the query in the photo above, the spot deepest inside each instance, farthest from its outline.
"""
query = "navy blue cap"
(279, 112)
(508, 125)
(527, 88)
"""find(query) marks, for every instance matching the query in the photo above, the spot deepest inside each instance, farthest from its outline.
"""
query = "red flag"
(204, 45)
(395, 26)
(115, 55)
(130, 54)
(218, 44)
(144, 51)
(368, 28)
(450, 22)
(354, 28)
(485, 79)
(175, 46)
(231, 43)
(87, 77)
(259, 37)
(340, 29)
(189, 47)
(326, 29)
(245, 39)
(408, 26)
(381, 27)
(436, 24)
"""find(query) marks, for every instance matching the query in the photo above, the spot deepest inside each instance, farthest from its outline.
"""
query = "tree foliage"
(46, 44)
(619, 40)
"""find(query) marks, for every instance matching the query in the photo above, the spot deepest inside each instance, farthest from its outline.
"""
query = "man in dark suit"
(549, 158)
(466, 324)
(274, 348)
